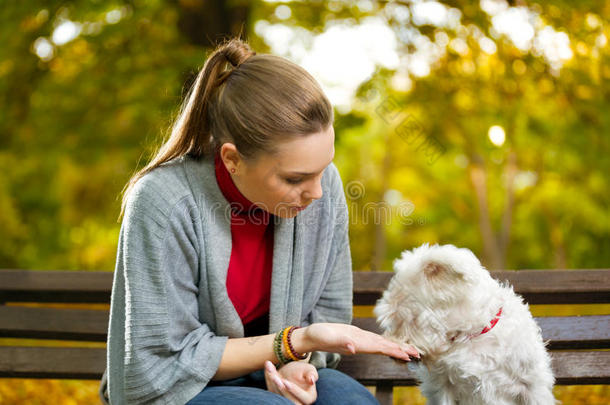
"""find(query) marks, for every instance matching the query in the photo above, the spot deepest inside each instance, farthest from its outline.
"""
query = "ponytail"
(252, 103)
(190, 132)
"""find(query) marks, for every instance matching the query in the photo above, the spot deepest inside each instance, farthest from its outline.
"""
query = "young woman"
(234, 232)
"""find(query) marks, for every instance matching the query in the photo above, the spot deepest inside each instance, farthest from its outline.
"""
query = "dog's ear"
(434, 269)
(439, 272)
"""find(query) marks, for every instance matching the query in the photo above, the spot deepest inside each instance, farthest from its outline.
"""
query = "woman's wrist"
(300, 340)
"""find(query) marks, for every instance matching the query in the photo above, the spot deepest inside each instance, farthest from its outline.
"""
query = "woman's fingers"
(398, 352)
(304, 396)
(382, 345)
(311, 377)
(401, 351)
(410, 350)
(272, 374)
(273, 379)
(351, 348)
(288, 389)
(300, 373)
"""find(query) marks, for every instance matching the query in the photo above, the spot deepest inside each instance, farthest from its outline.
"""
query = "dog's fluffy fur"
(440, 300)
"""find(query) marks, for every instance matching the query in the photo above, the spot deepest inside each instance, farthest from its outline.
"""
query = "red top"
(249, 274)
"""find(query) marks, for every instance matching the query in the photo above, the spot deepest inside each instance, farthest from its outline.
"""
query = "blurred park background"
(485, 124)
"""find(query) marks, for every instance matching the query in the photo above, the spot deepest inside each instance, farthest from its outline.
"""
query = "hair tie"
(238, 63)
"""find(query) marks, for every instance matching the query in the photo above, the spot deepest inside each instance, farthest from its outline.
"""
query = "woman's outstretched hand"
(348, 339)
(295, 381)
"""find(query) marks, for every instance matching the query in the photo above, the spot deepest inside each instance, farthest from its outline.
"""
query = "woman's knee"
(335, 387)
(237, 395)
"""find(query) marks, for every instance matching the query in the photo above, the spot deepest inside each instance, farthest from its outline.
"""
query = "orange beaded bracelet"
(293, 354)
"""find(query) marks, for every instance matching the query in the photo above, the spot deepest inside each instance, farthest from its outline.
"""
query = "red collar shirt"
(249, 274)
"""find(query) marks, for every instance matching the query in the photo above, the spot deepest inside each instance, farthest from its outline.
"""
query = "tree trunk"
(510, 171)
(205, 22)
(491, 253)
(382, 212)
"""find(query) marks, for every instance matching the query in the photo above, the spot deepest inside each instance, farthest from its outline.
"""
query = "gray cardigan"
(170, 314)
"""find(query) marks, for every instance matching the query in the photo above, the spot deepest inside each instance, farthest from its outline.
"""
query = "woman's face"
(286, 182)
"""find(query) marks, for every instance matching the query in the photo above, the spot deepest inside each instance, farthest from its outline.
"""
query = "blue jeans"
(333, 387)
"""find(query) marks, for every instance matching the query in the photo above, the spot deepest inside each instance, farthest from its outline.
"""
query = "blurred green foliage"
(76, 124)
(540, 200)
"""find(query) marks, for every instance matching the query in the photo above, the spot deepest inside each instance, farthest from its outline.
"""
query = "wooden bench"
(577, 342)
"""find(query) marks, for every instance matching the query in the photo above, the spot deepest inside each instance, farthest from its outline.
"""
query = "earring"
(233, 170)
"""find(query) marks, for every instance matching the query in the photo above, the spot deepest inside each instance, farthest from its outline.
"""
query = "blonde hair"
(260, 100)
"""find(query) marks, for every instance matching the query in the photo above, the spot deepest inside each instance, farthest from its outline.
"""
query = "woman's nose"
(313, 191)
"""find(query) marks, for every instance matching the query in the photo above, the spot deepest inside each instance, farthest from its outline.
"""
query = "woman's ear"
(230, 157)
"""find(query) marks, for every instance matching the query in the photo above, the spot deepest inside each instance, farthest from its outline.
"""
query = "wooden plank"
(562, 332)
(570, 332)
(52, 362)
(570, 368)
(53, 323)
(576, 332)
(55, 286)
(578, 368)
(536, 286)
(371, 369)
(584, 367)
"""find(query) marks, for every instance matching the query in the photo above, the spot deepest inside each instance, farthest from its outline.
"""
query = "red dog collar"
(493, 322)
(487, 328)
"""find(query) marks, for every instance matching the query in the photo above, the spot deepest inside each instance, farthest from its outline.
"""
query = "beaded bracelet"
(291, 352)
(277, 347)
(287, 331)
(282, 338)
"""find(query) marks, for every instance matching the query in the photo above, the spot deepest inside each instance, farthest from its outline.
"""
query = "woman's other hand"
(295, 381)
(348, 339)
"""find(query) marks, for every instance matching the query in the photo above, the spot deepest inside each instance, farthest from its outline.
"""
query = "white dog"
(478, 340)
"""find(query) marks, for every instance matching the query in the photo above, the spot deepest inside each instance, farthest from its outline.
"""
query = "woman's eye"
(293, 181)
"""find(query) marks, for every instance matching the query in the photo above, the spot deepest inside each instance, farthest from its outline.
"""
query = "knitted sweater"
(170, 313)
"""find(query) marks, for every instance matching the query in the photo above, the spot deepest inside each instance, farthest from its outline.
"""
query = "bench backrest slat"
(573, 332)
(536, 286)
(55, 286)
(54, 323)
